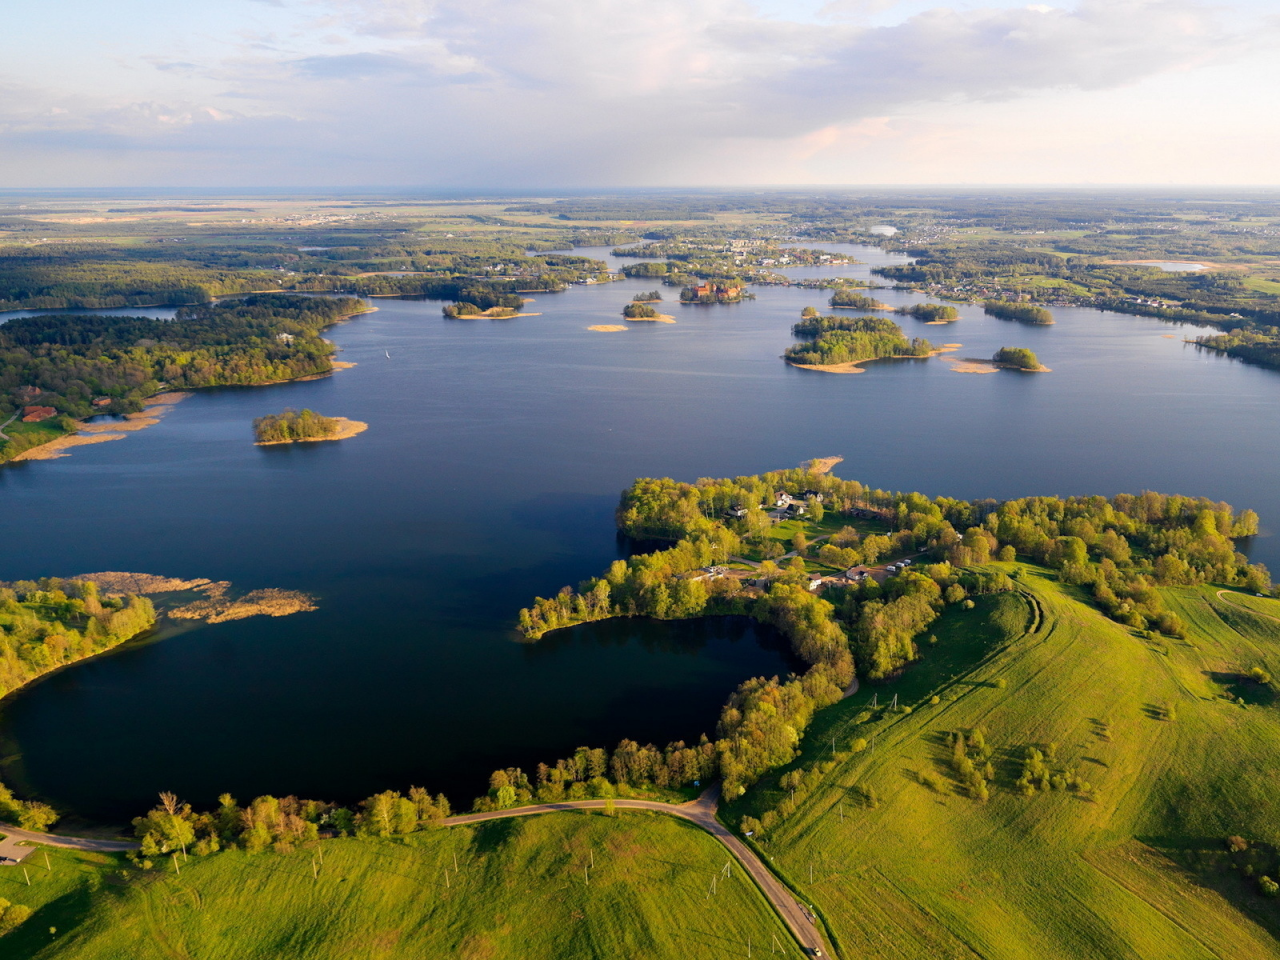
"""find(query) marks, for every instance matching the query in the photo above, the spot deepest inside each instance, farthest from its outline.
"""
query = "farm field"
(1132, 864)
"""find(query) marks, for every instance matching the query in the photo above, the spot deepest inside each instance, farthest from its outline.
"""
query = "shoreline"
(346, 430)
(87, 433)
(855, 366)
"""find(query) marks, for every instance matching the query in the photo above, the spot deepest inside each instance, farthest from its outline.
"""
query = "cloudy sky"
(561, 93)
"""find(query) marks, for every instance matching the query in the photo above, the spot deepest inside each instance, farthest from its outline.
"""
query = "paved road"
(702, 812)
(4, 435)
(9, 846)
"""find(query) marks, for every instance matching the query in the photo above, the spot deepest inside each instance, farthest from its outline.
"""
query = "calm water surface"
(489, 473)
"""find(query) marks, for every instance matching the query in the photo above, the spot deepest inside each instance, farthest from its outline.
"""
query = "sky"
(531, 94)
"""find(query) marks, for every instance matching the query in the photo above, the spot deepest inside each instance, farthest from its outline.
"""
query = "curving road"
(703, 813)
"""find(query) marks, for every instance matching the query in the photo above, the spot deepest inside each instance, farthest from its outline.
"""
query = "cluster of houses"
(785, 506)
(36, 414)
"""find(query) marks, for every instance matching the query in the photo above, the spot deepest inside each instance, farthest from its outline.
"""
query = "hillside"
(520, 890)
(906, 864)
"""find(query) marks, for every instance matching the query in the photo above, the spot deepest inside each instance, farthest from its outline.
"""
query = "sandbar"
(660, 318)
(822, 464)
(346, 430)
(489, 316)
(607, 327)
(54, 448)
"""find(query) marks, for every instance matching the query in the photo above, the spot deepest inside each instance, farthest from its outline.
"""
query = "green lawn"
(520, 892)
(1139, 870)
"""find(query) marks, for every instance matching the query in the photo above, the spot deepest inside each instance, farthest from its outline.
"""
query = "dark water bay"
(489, 473)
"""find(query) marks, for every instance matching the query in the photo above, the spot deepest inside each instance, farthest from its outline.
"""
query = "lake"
(488, 475)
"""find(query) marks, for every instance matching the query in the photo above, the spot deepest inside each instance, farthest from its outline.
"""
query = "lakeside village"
(792, 517)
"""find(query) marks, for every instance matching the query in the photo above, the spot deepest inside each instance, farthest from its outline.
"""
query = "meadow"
(901, 861)
(506, 889)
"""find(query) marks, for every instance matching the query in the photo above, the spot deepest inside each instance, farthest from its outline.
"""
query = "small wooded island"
(1022, 312)
(931, 312)
(839, 344)
(637, 310)
(853, 300)
(301, 426)
(1018, 358)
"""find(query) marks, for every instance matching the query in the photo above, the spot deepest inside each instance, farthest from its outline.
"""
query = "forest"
(69, 362)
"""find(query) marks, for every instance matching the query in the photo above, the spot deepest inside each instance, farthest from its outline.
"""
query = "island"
(652, 296)
(715, 291)
(1018, 358)
(1022, 312)
(303, 426)
(931, 312)
(840, 344)
(852, 300)
(643, 311)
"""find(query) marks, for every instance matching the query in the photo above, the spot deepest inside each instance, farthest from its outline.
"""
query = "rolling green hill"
(520, 891)
(905, 863)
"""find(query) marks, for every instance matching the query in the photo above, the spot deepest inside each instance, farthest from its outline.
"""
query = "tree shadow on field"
(64, 913)
(1241, 686)
(1209, 863)
(492, 835)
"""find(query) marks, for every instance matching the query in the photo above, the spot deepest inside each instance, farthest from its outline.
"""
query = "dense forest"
(69, 362)
(1119, 549)
(1022, 312)
(293, 425)
(850, 339)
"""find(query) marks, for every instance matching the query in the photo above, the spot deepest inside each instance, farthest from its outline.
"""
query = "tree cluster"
(1022, 312)
(51, 623)
(293, 425)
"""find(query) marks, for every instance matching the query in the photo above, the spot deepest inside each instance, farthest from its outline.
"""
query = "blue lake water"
(489, 472)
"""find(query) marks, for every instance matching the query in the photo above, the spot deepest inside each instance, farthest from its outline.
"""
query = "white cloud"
(560, 91)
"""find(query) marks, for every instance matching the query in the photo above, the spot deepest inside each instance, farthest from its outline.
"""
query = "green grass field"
(1139, 870)
(520, 891)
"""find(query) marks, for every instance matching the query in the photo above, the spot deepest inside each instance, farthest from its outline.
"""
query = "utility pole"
(315, 870)
(27, 875)
(176, 869)
(47, 865)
